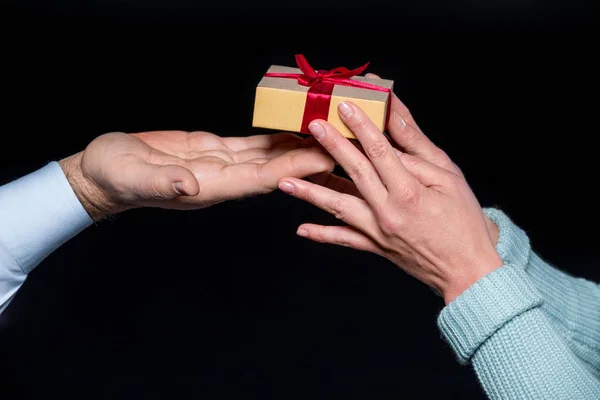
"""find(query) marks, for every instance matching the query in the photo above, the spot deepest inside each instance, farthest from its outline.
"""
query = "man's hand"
(181, 170)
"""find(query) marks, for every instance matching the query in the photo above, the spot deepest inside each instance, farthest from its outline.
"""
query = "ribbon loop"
(311, 77)
(305, 66)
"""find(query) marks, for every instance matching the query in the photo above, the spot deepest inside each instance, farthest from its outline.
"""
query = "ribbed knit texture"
(529, 330)
(486, 307)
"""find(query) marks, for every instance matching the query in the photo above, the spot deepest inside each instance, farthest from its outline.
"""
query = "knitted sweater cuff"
(474, 316)
(513, 244)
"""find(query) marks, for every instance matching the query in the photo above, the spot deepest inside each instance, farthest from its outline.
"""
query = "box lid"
(339, 90)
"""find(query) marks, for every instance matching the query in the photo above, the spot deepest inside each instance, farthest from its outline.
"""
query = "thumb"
(163, 182)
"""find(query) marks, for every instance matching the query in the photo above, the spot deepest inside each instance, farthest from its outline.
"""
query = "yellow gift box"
(288, 99)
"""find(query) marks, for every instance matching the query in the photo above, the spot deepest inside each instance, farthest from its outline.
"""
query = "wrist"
(92, 198)
(480, 267)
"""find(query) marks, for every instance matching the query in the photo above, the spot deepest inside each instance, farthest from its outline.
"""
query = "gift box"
(288, 99)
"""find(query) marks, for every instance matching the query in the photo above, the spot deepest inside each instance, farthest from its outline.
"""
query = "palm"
(201, 149)
(225, 168)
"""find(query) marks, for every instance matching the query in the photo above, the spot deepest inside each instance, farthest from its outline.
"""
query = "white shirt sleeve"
(38, 213)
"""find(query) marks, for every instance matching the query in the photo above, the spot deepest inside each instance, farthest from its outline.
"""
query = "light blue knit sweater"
(529, 330)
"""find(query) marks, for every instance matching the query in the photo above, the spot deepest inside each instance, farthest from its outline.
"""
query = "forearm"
(38, 213)
(572, 305)
(498, 325)
(526, 359)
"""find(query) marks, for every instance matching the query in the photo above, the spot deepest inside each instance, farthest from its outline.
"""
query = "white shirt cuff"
(38, 213)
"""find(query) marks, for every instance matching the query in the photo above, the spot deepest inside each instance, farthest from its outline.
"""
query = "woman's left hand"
(416, 213)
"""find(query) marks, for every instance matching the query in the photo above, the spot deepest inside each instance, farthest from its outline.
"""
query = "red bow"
(338, 76)
(321, 84)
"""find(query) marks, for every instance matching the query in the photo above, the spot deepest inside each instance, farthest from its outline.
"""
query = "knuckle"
(338, 208)
(358, 124)
(156, 187)
(330, 144)
(441, 158)
(412, 135)
(345, 241)
(358, 171)
(389, 225)
(408, 195)
(308, 195)
(149, 191)
(377, 149)
(320, 235)
(440, 154)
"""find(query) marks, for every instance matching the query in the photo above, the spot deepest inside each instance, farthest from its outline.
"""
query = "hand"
(181, 170)
(411, 139)
(414, 209)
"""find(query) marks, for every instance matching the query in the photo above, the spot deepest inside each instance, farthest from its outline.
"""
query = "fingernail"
(346, 110)
(302, 232)
(400, 122)
(179, 188)
(287, 187)
(317, 130)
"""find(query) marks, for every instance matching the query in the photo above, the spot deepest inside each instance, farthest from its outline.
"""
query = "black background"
(227, 302)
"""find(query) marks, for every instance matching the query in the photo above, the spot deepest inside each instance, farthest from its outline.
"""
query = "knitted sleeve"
(572, 305)
(500, 326)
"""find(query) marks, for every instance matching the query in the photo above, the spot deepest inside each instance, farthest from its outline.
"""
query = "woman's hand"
(414, 209)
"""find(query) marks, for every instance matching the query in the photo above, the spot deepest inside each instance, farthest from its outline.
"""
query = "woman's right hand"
(410, 204)
(410, 138)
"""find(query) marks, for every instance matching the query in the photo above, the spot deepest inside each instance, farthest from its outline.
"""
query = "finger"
(356, 165)
(377, 147)
(337, 183)
(427, 173)
(159, 182)
(250, 178)
(350, 209)
(265, 153)
(413, 141)
(275, 151)
(299, 163)
(340, 235)
(258, 160)
(259, 141)
(310, 141)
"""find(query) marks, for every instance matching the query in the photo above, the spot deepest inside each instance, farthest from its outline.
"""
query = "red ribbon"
(321, 84)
